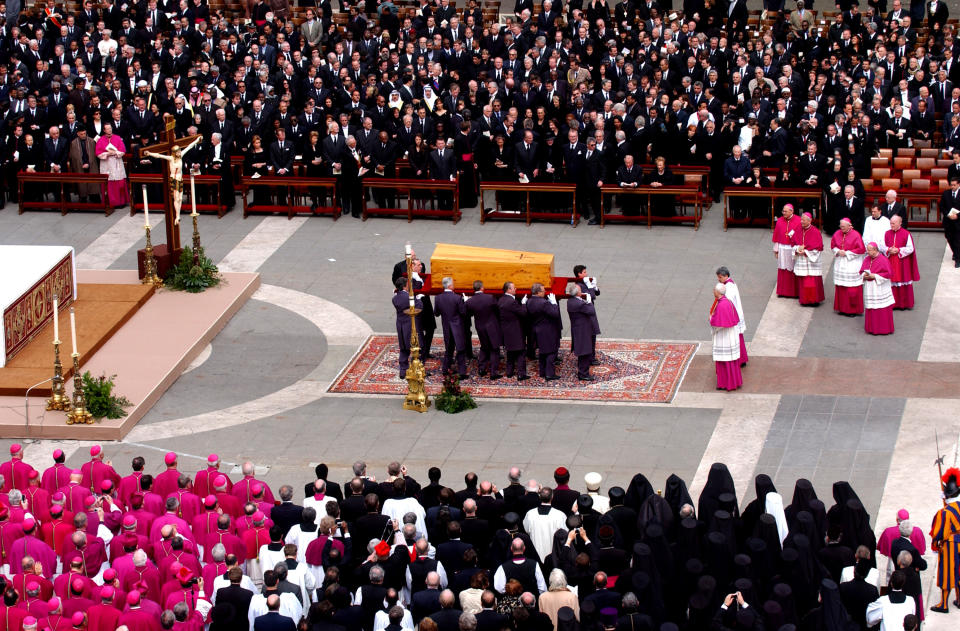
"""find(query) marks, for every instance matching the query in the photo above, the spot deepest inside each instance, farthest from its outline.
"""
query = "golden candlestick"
(197, 248)
(416, 398)
(58, 397)
(79, 414)
(150, 264)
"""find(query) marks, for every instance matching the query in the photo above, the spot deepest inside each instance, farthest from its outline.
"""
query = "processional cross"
(170, 150)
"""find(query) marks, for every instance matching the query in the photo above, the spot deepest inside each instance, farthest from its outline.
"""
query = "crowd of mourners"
(577, 92)
(89, 549)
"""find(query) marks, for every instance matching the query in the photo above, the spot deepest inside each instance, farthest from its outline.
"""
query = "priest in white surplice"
(875, 226)
(807, 266)
(541, 522)
(399, 505)
(890, 610)
(733, 295)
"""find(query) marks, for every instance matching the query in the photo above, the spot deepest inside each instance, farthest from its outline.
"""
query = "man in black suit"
(483, 309)
(218, 163)
(333, 488)
(450, 552)
(351, 177)
(448, 618)
(893, 207)
(286, 514)
(383, 154)
(858, 593)
(426, 601)
(629, 175)
(452, 310)
(488, 619)
(527, 157)
(590, 180)
(513, 315)
(235, 595)
(273, 620)
(950, 213)
(443, 166)
(835, 555)
(373, 525)
(353, 505)
(474, 530)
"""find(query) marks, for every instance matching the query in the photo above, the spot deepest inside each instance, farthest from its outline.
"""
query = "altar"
(30, 276)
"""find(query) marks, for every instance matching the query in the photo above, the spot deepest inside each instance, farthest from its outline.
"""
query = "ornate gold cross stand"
(416, 398)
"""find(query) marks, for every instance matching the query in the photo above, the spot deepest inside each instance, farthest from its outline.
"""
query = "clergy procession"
(91, 549)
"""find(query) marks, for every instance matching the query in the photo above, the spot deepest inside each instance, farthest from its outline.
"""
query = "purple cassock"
(512, 315)
(583, 326)
(401, 302)
(545, 317)
(93, 555)
(16, 475)
(95, 472)
(483, 308)
(453, 311)
(56, 477)
(166, 483)
(726, 344)
(28, 545)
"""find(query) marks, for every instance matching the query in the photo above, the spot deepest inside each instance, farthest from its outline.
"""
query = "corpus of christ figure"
(175, 162)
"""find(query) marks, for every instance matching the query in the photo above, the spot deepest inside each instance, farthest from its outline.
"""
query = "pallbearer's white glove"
(589, 298)
(523, 301)
(552, 299)
(464, 296)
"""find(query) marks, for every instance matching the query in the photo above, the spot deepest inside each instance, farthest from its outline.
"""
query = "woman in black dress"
(418, 155)
(313, 159)
(660, 205)
(501, 169)
(256, 164)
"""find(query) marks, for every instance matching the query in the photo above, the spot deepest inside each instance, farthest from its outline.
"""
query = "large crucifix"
(170, 150)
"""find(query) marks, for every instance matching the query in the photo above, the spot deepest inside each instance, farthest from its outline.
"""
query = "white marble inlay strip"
(116, 241)
(260, 244)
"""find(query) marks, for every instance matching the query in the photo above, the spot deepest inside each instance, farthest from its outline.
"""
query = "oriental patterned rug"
(629, 371)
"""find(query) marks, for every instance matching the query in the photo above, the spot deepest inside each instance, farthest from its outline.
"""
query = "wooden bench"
(405, 186)
(297, 193)
(912, 198)
(62, 181)
(683, 194)
(773, 194)
(527, 212)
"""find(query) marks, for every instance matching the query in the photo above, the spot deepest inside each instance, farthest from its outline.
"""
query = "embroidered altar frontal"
(629, 371)
(30, 276)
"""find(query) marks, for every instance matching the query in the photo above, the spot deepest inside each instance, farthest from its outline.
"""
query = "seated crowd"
(89, 549)
(560, 92)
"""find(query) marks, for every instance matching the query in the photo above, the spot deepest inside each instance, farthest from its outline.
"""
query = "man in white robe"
(399, 505)
(875, 226)
(890, 610)
(541, 522)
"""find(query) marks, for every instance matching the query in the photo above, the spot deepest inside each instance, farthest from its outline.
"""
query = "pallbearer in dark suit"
(401, 302)
(544, 314)
(588, 285)
(483, 309)
(427, 323)
(452, 309)
(512, 315)
(583, 329)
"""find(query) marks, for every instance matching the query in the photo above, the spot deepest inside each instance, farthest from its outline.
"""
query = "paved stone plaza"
(822, 399)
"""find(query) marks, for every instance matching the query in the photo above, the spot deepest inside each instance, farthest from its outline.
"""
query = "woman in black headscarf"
(719, 481)
(831, 614)
(638, 491)
(751, 514)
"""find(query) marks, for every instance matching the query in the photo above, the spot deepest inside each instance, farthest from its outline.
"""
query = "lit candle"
(73, 330)
(412, 303)
(56, 319)
(193, 195)
(407, 248)
(146, 209)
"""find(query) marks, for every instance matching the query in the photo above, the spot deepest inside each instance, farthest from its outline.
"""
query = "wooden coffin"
(494, 267)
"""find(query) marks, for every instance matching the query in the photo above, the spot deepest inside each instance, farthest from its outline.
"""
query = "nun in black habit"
(676, 493)
(751, 514)
(831, 615)
(638, 491)
(803, 494)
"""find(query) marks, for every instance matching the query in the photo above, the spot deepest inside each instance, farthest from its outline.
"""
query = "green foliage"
(453, 398)
(193, 277)
(101, 402)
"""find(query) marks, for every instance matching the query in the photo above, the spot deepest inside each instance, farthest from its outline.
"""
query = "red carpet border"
(630, 371)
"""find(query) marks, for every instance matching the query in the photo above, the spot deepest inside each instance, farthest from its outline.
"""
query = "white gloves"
(589, 298)
(419, 296)
(416, 277)
(464, 296)
(523, 301)
(590, 282)
(552, 299)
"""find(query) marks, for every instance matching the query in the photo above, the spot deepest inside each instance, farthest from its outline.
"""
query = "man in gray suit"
(311, 29)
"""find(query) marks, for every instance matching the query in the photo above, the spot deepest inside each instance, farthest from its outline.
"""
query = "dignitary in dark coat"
(82, 158)
(512, 316)
(443, 166)
(218, 163)
(483, 309)
(544, 314)
(588, 285)
(401, 302)
(583, 329)
(428, 318)
(950, 213)
(629, 175)
(452, 310)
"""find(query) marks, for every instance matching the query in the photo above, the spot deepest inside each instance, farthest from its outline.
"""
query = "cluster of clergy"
(91, 549)
(525, 327)
(873, 273)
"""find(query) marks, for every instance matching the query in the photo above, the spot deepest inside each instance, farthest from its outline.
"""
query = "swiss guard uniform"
(945, 534)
